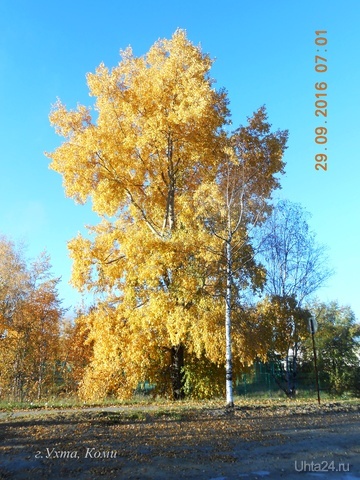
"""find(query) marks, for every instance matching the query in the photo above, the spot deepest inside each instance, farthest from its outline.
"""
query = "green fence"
(269, 379)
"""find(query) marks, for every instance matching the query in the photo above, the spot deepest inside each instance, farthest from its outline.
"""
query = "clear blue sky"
(264, 54)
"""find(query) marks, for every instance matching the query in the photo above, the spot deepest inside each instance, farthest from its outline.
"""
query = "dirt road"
(290, 441)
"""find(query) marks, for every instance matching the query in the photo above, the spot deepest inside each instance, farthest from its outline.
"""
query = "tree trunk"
(229, 371)
(294, 370)
(40, 380)
(177, 374)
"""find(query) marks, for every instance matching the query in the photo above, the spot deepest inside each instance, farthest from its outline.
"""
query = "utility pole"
(313, 330)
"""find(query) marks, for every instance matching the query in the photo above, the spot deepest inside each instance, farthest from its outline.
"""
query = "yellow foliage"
(283, 323)
(152, 162)
(29, 324)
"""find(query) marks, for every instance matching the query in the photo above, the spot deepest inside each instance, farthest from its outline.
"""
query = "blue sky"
(265, 54)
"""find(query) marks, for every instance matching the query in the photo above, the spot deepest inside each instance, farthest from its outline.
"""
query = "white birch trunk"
(229, 372)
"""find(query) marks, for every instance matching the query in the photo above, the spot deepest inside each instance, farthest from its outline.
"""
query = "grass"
(67, 402)
(169, 407)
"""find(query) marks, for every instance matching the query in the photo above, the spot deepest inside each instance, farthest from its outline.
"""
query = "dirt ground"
(254, 442)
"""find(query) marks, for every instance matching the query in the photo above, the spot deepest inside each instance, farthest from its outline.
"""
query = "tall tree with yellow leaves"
(148, 161)
(157, 137)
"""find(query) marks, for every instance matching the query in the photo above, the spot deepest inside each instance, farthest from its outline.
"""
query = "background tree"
(338, 348)
(13, 280)
(284, 326)
(29, 324)
(14, 284)
(75, 352)
(296, 266)
(43, 313)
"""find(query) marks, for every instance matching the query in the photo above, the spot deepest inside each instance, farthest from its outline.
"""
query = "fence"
(268, 379)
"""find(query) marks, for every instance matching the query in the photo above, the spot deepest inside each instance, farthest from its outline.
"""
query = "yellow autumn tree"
(30, 316)
(230, 207)
(14, 281)
(285, 325)
(156, 139)
(75, 352)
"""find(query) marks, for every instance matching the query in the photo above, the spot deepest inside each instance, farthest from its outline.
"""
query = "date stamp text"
(321, 99)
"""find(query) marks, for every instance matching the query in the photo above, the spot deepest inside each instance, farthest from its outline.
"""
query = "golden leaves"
(157, 115)
(155, 162)
(30, 316)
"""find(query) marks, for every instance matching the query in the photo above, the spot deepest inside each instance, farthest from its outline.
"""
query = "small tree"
(284, 326)
(43, 314)
(338, 346)
(30, 316)
(75, 352)
(296, 266)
